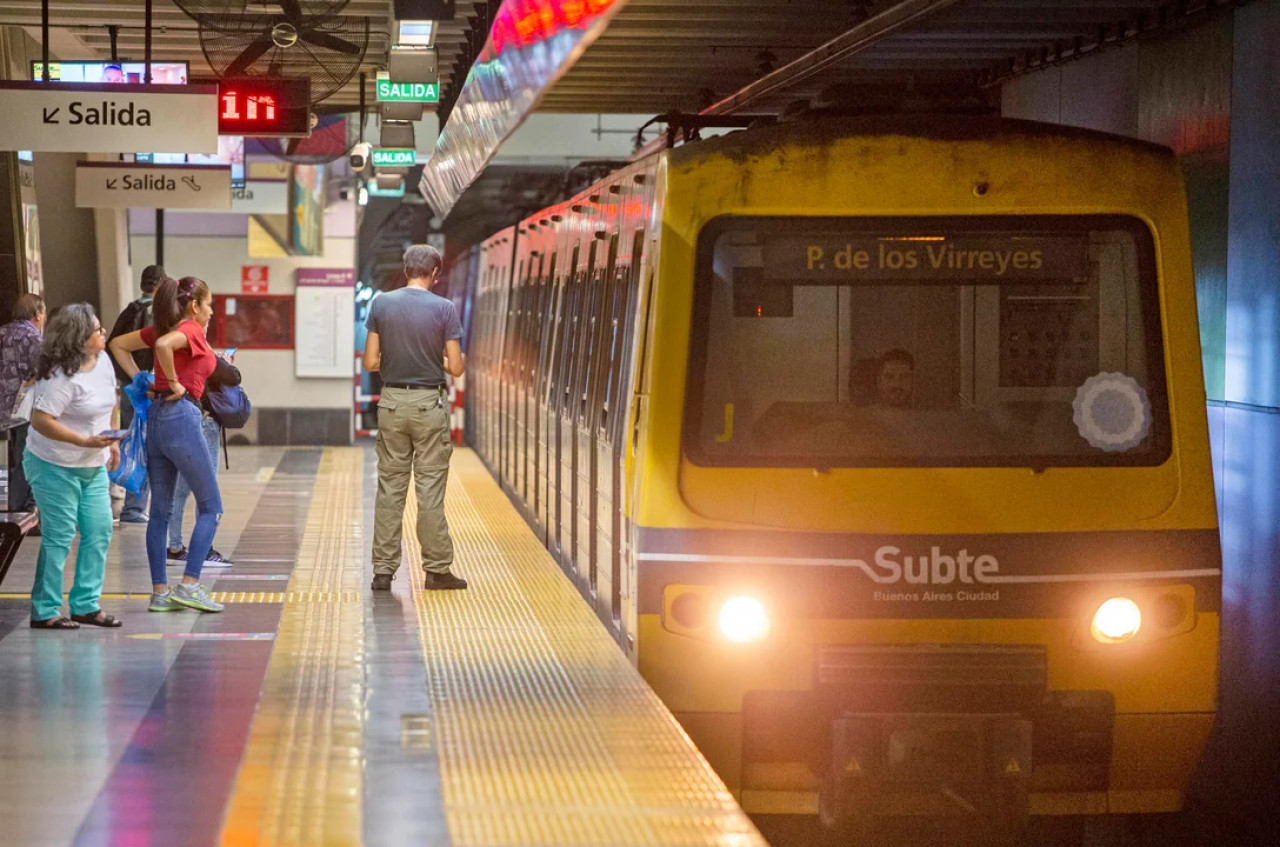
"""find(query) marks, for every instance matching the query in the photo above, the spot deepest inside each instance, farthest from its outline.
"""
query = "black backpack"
(135, 316)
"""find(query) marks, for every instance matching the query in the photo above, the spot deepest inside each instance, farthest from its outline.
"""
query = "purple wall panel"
(143, 222)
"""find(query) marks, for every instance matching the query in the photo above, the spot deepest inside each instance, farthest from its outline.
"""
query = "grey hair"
(421, 261)
(28, 307)
(65, 338)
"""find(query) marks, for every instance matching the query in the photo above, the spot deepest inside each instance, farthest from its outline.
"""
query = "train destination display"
(829, 257)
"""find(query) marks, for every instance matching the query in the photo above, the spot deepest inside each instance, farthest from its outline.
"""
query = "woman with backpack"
(225, 373)
(175, 440)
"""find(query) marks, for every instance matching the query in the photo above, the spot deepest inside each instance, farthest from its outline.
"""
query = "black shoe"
(382, 582)
(443, 582)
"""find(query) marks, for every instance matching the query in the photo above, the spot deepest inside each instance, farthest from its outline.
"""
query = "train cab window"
(981, 341)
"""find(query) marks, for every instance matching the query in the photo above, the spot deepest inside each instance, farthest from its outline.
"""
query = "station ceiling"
(660, 55)
(763, 56)
(686, 55)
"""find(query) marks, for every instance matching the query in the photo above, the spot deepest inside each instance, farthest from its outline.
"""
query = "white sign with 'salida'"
(261, 197)
(52, 117)
(119, 185)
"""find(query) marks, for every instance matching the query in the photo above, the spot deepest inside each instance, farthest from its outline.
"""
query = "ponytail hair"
(171, 301)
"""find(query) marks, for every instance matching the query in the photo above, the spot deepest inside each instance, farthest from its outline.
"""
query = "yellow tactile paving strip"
(545, 733)
(301, 777)
(240, 596)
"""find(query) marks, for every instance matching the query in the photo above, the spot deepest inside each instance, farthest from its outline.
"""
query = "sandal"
(98, 618)
(55, 623)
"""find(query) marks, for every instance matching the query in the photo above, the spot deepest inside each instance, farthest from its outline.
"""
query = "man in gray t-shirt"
(414, 339)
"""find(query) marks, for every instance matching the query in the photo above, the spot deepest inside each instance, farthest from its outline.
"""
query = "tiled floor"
(311, 712)
(415, 718)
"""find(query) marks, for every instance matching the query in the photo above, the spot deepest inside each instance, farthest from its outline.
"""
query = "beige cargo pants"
(413, 438)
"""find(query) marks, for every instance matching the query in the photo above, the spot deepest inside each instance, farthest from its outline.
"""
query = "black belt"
(412, 387)
(157, 395)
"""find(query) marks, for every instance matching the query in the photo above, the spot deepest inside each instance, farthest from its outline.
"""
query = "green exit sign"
(394, 158)
(408, 92)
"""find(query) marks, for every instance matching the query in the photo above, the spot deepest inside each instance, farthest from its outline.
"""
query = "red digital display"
(266, 107)
(238, 105)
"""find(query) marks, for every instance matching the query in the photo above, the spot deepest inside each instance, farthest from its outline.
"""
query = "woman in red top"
(175, 443)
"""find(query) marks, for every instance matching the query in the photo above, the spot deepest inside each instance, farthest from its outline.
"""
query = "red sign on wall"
(253, 279)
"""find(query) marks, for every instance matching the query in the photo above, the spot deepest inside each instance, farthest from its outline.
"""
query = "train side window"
(604, 336)
(491, 349)
(510, 350)
(580, 359)
(527, 321)
(563, 322)
(573, 294)
(591, 341)
(628, 278)
(482, 319)
(521, 296)
(546, 306)
(614, 338)
(644, 303)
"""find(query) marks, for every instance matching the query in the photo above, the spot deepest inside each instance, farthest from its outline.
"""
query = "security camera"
(360, 155)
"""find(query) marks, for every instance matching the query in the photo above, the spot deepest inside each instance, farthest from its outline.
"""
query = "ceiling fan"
(300, 38)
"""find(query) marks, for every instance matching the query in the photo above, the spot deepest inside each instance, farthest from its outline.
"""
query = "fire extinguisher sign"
(253, 279)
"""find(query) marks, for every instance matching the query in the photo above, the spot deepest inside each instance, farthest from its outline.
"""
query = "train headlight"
(744, 619)
(1116, 621)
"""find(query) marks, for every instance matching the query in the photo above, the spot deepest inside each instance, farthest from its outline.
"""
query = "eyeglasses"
(102, 330)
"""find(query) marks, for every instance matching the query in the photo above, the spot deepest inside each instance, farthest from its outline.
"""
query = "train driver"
(895, 380)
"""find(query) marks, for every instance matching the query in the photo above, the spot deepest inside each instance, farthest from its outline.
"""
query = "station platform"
(313, 712)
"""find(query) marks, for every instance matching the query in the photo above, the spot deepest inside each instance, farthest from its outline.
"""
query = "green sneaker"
(164, 603)
(195, 597)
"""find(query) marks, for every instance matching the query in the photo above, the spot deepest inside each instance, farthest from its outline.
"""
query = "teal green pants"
(69, 499)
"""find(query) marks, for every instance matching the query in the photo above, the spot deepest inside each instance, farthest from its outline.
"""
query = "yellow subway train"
(880, 444)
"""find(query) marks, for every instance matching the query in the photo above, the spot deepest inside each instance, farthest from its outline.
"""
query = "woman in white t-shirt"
(66, 464)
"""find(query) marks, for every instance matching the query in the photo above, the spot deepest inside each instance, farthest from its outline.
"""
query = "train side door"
(633, 443)
(558, 402)
(519, 381)
(607, 517)
(549, 309)
(593, 363)
(613, 420)
(533, 338)
(570, 459)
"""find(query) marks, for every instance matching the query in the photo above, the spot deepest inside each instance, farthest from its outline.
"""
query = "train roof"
(818, 130)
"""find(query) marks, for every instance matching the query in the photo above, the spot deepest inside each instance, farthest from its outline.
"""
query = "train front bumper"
(1110, 731)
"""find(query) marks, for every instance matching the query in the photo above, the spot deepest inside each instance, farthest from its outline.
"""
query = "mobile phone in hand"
(230, 352)
(113, 434)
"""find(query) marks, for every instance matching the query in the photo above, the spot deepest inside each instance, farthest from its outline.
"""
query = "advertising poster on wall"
(325, 321)
(30, 225)
(307, 210)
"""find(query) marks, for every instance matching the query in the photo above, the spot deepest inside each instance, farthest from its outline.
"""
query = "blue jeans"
(135, 505)
(175, 445)
(182, 490)
(70, 499)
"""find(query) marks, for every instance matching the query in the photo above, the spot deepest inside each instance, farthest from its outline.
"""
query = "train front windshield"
(944, 342)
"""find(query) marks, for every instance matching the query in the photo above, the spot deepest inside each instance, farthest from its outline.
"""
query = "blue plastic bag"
(132, 472)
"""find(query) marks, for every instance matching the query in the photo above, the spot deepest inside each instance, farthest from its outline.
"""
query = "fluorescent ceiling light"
(415, 33)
